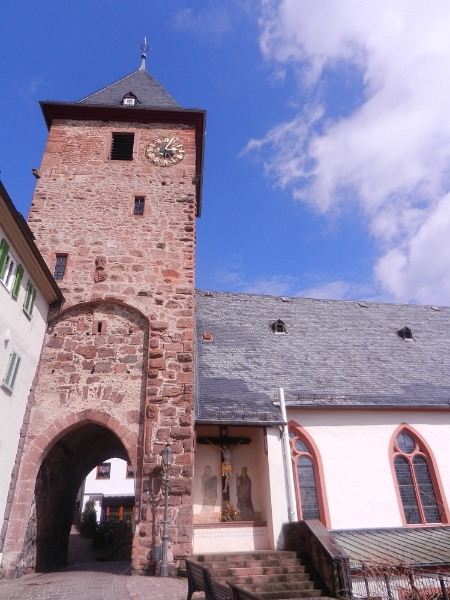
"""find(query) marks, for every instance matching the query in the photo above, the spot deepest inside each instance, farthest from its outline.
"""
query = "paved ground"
(93, 581)
(87, 579)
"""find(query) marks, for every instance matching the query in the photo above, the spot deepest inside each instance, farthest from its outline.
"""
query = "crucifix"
(224, 444)
(144, 49)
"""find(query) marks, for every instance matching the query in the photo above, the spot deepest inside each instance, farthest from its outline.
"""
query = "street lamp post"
(167, 459)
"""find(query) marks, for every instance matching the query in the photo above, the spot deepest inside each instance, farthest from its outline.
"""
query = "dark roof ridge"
(113, 83)
(330, 300)
(148, 91)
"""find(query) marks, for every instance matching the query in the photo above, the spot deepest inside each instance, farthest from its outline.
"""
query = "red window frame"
(314, 455)
(421, 449)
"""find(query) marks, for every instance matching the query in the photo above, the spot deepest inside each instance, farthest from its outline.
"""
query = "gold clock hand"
(168, 144)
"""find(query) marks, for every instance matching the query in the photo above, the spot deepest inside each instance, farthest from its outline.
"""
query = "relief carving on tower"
(100, 266)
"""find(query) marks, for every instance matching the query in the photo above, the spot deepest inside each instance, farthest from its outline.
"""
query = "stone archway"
(58, 480)
(54, 465)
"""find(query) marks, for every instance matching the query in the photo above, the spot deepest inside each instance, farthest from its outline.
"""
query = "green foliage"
(88, 519)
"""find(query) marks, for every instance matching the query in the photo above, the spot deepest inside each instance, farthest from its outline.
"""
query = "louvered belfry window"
(417, 491)
(122, 146)
(303, 461)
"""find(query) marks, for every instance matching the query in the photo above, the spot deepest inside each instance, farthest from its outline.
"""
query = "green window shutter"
(17, 282)
(30, 298)
(4, 249)
(12, 369)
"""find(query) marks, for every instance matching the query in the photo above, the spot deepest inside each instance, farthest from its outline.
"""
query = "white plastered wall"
(26, 339)
(354, 447)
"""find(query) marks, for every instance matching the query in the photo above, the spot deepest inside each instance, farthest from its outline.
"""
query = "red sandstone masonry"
(82, 206)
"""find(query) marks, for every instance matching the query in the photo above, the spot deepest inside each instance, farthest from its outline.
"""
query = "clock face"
(165, 151)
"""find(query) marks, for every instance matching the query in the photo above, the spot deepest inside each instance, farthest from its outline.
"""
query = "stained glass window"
(308, 502)
(414, 482)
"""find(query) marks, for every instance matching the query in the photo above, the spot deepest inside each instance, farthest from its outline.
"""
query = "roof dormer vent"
(278, 327)
(129, 99)
(405, 333)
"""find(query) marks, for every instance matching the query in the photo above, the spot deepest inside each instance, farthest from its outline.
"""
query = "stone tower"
(113, 214)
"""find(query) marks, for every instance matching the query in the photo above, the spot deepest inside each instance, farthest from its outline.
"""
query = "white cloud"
(234, 279)
(339, 290)
(214, 21)
(391, 154)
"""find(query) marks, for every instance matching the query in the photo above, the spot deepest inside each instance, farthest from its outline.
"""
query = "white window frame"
(9, 273)
(12, 368)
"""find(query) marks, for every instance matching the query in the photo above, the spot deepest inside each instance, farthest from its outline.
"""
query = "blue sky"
(327, 130)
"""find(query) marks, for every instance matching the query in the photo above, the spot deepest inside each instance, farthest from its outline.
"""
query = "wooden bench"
(240, 594)
(200, 580)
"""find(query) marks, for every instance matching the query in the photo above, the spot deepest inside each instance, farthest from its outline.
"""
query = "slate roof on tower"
(334, 354)
(149, 93)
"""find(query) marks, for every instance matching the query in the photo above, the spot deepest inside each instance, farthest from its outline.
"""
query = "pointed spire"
(144, 49)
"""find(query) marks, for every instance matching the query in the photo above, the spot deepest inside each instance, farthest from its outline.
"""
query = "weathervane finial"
(144, 49)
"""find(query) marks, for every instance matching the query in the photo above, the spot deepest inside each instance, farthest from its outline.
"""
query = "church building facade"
(136, 358)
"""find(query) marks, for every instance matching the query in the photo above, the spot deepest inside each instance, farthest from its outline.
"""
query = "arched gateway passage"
(61, 473)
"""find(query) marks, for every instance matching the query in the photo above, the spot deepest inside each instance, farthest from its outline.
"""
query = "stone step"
(220, 564)
(241, 571)
(279, 586)
(290, 594)
(261, 555)
(256, 579)
(270, 574)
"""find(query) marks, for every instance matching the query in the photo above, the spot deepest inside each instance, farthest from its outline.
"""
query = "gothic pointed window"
(420, 495)
(307, 477)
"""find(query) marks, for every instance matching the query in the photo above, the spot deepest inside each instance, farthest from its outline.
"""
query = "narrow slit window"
(419, 496)
(122, 146)
(60, 266)
(139, 204)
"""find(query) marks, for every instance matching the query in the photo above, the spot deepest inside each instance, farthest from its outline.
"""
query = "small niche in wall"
(99, 328)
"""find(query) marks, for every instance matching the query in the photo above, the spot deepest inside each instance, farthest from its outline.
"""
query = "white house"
(111, 486)
(27, 289)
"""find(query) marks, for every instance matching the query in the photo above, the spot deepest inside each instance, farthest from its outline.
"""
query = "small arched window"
(307, 477)
(420, 495)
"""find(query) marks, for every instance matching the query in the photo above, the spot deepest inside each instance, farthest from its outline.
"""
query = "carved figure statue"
(244, 495)
(227, 467)
(209, 489)
(100, 265)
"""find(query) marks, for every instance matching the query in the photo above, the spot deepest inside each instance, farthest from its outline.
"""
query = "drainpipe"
(287, 460)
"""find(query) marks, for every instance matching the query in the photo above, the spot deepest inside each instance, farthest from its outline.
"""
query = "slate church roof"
(149, 93)
(334, 354)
